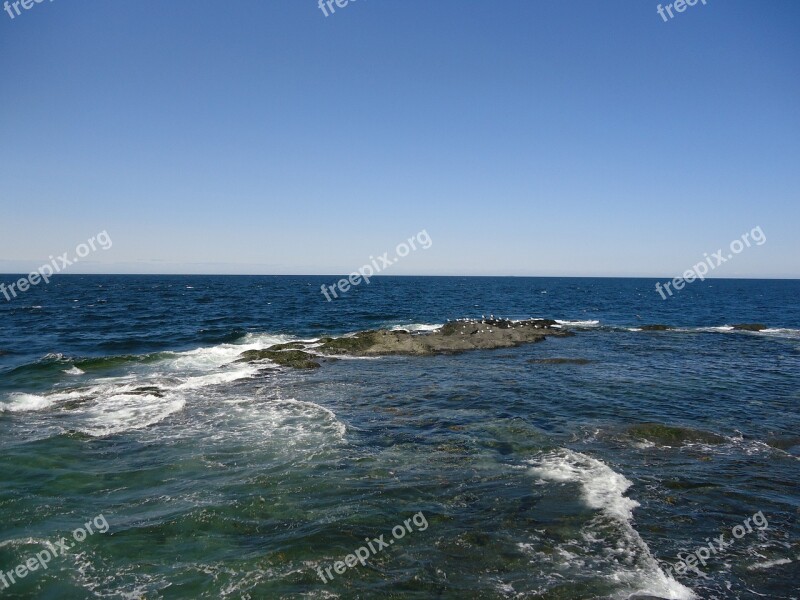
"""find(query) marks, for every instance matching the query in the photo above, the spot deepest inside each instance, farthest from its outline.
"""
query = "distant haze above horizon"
(525, 139)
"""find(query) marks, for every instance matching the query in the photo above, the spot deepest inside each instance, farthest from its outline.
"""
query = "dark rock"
(749, 327)
(666, 435)
(561, 361)
(784, 442)
(656, 327)
(455, 337)
(286, 358)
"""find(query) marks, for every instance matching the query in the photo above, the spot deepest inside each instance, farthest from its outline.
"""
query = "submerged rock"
(657, 327)
(784, 442)
(561, 361)
(666, 435)
(749, 327)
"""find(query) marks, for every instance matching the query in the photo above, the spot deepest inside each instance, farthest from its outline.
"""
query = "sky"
(525, 137)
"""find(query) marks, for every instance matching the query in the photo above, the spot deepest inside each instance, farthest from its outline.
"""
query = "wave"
(413, 327)
(779, 332)
(18, 402)
(603, 490)
(144, 389)
(125, 412)
(589, 323)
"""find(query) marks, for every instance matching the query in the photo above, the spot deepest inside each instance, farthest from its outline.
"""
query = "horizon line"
(344, 275)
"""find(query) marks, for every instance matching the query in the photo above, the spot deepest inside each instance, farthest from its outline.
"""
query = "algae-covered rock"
(666, 435)
(784, 442)
(455, 337)
(355, 344)
(560, 361)
(289, 346)
(286, 358)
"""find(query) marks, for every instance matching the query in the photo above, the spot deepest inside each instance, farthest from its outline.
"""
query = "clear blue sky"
(528, 137)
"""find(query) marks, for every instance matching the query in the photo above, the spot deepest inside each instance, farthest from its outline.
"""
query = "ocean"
(619, 462)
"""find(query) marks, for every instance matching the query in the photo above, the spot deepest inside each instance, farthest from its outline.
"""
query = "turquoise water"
(535, 478)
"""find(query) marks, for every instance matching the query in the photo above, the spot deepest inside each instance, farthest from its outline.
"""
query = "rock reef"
(454, 337)
(749, 327)
(667, 435)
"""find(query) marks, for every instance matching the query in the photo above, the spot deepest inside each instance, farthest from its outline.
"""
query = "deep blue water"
(119, 396)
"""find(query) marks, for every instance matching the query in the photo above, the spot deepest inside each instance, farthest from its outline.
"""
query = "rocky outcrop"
(656, 327)
(454, 337)
(749, 327)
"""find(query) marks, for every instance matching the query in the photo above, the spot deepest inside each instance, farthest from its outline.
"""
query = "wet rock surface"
(454, 337)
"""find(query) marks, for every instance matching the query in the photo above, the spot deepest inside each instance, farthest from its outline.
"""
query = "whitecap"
(18, 402)
(74, 371)
(417, 327)
(590, 323)
(603, 489)
(784, 332)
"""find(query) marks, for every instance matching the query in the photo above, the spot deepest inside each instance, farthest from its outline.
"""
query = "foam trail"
(603, 489)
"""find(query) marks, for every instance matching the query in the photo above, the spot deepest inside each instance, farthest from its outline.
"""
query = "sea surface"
(509, 474)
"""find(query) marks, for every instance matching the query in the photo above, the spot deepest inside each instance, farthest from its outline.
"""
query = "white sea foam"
(295, 429)
(417, 327)
(202, 381)
(213, 357)
(125, 412)
(783, 332)
(74, 371)
(591, 323)
(603, 489)
(769, 564)
(21, 403)
(25, 403)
